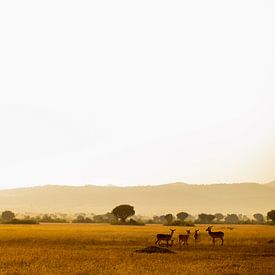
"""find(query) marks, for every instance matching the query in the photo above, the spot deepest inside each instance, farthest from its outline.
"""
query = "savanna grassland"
(110, 249)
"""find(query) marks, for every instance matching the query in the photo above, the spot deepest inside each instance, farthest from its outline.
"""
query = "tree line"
(125, 214)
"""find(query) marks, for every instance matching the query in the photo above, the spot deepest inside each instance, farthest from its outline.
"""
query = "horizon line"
(125, 186)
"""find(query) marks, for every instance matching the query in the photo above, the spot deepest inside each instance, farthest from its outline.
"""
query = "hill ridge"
(245, 198)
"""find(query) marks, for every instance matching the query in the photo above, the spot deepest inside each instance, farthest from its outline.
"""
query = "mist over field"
(246, 198)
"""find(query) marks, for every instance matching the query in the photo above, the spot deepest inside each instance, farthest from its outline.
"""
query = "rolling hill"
(245, 198)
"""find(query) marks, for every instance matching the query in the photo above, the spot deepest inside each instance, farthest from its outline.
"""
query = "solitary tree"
(7, 216)
(271, 215)
(122, 212)
(182, 216)
(259, 217)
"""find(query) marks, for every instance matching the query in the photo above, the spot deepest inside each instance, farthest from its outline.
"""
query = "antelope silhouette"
(165, 237)
(183, 239)
(215, 234)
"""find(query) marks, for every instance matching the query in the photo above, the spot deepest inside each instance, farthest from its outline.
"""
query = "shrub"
(130, 222)
(18, 221)
(81, 219)
(181, 223)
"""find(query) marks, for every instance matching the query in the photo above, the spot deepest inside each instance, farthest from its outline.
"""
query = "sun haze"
(135, 93)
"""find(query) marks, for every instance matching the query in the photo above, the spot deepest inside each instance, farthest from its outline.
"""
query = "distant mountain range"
(245, 198)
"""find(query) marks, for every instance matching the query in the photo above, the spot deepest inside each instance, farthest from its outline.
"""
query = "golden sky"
(126, 93)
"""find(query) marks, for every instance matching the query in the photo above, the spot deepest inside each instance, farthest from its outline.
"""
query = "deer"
(165, 237)
(196, 235)
(183, 239)
(215, 235)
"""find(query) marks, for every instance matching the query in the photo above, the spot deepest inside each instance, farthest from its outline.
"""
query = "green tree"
(182, 216)
(124, 211)
(7, 216)
(271, 215)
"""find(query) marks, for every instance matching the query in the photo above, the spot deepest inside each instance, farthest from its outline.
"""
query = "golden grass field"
(110, 249)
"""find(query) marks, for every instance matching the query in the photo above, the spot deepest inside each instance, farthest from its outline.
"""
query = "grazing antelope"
(215, 235)
(196, 235)
(183, 239)
(165, 237)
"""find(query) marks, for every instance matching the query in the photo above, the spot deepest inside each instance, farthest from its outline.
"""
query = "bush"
(134, 222)
(180, 223)
(106, 218)
(130, 222)
(81, 219)
(17, 221)
(48, 218)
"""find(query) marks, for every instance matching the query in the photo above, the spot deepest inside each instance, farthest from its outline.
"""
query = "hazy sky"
(136, 92)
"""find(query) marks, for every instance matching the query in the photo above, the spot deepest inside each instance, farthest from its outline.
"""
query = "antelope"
(215, 235)
(196, 235)
(172, 242)
(165, 237)
(169, 244)
(183, 239)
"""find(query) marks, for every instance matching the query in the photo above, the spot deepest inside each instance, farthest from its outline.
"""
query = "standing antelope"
(171, 243)
(196, 235)
(165, 237)
(183, 239)
(215, 235)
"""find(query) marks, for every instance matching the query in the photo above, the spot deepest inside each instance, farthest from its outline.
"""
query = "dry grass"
(107, 249)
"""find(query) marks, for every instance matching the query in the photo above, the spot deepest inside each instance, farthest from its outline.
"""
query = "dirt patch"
(154, 249)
